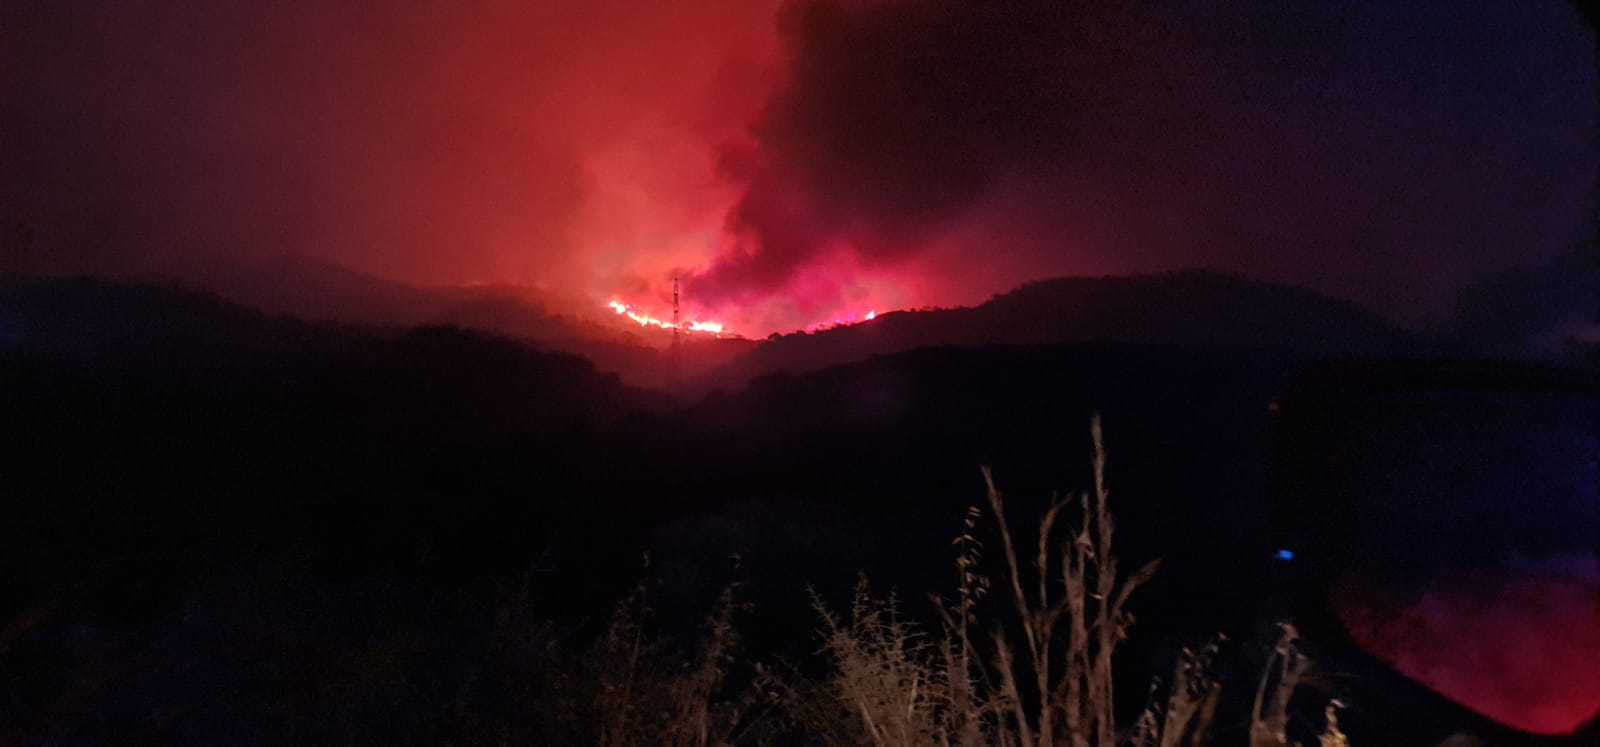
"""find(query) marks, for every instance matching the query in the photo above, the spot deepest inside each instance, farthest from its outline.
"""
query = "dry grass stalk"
(1331, 735)
(1269, 714)
(620, 651)
(885, 673)
(1091, 607)
(1055, 685)
(968, 682)
(1192, 700)
(648, 695)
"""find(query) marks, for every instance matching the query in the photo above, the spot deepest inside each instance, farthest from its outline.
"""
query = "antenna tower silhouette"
(676, 355)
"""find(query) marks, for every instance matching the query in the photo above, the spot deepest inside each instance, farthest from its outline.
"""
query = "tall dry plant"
(650, 694)
(1185, 716)
(908, 690)
(1088, 608)
(884, 672)
(1269, 714)
(1055, 685)
(973, 704)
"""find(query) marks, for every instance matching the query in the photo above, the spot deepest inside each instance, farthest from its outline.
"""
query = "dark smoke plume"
(1386, 154)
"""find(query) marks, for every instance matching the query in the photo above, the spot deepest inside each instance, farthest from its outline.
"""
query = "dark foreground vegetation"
(226, 527)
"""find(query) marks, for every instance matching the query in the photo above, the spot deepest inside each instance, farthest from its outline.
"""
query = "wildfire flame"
(645, 320)
(843, 321)
(718, 328)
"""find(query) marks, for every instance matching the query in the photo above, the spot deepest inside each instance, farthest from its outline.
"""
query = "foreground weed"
(652, 694)
(898, 685)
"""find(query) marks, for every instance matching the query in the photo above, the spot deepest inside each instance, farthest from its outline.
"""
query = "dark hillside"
(138, 418)
(196, 415)
(323, 292)
(895, 443)
(1196, 308)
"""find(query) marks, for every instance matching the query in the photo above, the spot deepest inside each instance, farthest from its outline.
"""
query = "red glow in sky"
(801, 160)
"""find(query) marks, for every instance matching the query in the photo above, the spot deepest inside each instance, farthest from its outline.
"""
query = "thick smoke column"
(1386, 154)
(896, 118)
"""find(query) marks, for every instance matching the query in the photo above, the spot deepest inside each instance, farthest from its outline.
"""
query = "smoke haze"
(794, 161)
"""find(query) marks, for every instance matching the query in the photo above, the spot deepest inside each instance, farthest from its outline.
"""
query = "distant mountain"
(142, 426)
(314, 290)
(639, 361)
(1194, 308)
(307, 288)
(199, 343)
(1188, 308)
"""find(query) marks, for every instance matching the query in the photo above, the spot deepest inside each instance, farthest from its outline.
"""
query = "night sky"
(795, 160)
